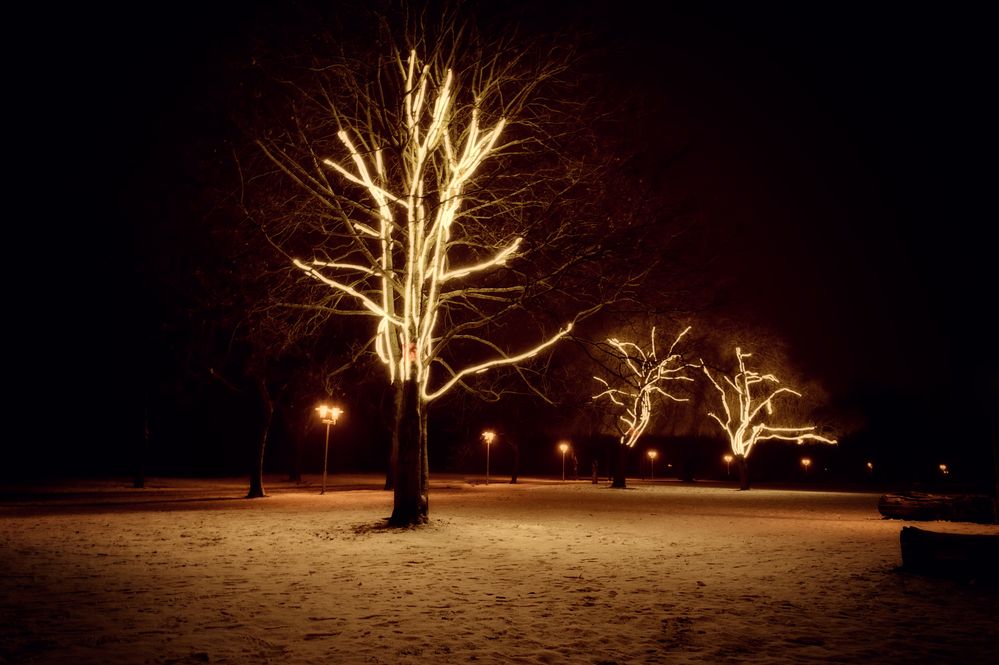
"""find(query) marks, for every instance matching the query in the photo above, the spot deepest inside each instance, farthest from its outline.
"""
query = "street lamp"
(488, 437)
(652, 464)
(329, 416)
(805, 462)
(564, 447)
(728, 464)
(944, 470)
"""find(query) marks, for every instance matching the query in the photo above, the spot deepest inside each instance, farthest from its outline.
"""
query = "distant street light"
(728, 464)
(652, 464)
(944, 470)
(806, 462)
(564, 447)
(328, 415)
(488, 437)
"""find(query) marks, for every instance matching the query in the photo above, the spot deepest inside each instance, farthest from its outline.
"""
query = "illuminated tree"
(638, 376)
(417, 216)
(744, 412)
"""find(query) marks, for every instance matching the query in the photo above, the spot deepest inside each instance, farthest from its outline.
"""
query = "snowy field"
(540, 572)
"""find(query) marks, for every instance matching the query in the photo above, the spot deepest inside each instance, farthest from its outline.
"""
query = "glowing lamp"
(564, 447)
(328, 415)
(488, 436)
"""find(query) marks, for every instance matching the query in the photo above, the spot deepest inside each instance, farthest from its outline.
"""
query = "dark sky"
(847, 147)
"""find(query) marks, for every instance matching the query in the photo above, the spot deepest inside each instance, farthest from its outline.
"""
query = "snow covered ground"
(540, 572)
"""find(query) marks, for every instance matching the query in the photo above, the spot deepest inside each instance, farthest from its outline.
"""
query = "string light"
(740, 426)
(645, 373)
(407, 293)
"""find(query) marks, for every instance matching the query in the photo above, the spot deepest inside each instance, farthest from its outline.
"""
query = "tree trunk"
(424, 464)
(743, 465)
(411, 501)
(516, 462)
(139, 480)
(257, 473)
(622, 466)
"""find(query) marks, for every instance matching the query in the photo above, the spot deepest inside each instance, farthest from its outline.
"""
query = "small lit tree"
(638, 376)
(744, 412)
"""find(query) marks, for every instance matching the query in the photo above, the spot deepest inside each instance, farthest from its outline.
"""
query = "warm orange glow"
(488, 436)
(728, 459)
(944, 470)
(329, 416)
(564, 447)
(652, 463)
(870, 466)
(805, 462)
(329, 413)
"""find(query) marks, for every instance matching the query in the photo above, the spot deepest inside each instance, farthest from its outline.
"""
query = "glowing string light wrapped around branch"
(641, 377)
(400, 269)
(744, 411)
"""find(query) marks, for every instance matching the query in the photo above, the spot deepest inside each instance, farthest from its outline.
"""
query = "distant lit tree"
(636, 377)
(744, 412)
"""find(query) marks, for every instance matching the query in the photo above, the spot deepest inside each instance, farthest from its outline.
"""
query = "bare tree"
(744, 412)
(638, 375)
(419, 214)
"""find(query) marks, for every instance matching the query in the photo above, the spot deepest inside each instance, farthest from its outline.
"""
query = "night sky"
(848, 148)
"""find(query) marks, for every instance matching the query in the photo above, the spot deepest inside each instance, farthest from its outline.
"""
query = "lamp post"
(728, 464)
(488, 437)
(806, 462)
(652, 464)
(564, 447)
(329, 416)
